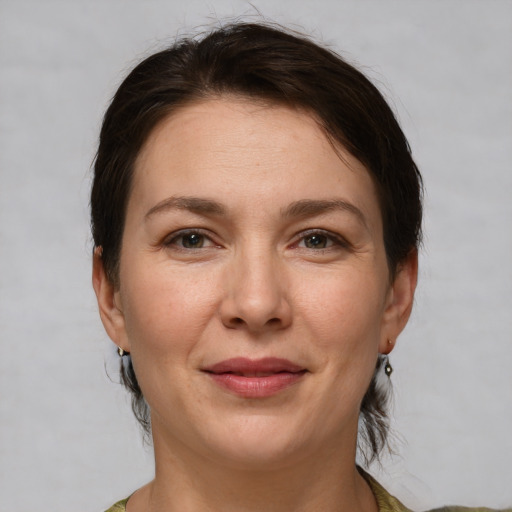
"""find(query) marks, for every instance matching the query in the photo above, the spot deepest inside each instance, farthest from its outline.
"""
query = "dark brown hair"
(271, 64)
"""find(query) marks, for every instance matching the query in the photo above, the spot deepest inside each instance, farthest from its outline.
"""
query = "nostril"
(237, 321)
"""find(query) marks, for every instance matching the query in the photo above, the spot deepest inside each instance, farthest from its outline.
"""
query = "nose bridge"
(256, 297)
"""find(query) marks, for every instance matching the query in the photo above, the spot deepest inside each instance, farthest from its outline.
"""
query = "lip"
(255, 378)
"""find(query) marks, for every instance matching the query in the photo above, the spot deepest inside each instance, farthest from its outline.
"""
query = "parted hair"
(272, 64)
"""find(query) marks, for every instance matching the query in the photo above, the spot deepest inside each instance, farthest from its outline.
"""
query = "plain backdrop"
(67, 436)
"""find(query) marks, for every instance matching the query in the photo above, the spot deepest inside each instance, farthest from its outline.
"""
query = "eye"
(192, 240)
(316, 241)
(189, 240)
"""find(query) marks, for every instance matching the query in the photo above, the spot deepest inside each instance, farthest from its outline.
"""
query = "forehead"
(232, 125)
(246, 152)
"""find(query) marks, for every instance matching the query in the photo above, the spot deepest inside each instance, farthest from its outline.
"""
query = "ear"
(109, 300)
(399, 302)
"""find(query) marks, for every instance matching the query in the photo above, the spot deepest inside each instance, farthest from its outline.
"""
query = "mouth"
(255, 378)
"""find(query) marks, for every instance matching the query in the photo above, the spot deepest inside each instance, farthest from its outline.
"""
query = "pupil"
(193, 240)
(315, 241)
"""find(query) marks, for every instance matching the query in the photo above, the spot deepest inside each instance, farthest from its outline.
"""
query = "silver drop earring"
(122, 352)
(388, 369)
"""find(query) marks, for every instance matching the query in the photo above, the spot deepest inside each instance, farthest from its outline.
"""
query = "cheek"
(165, 311)
(166, 314)
(344, 316)
(344, 302)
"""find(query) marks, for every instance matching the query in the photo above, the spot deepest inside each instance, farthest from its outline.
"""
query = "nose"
(256, 298)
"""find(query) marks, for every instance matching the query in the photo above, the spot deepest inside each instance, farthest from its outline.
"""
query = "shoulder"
(385, 501)
(120, 506)
(388, 503)
(469, 509)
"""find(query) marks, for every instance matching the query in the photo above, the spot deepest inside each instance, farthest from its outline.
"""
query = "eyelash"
(333, 239)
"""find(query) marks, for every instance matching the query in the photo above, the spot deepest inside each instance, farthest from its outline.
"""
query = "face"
(254, 290)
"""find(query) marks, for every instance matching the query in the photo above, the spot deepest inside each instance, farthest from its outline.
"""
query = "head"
(259, 68)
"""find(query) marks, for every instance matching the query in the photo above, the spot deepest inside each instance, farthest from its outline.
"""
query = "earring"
(122, 352)
(388, 369)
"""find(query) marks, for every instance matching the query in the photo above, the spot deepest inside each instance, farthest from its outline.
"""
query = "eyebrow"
(312, 207)
(302, 208)
(192, 204)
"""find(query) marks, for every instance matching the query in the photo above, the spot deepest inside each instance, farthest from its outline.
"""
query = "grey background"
(67, 438)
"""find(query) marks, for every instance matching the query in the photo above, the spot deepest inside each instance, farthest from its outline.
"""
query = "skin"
(264, 279)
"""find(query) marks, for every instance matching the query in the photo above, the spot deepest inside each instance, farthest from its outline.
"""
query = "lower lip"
(257, 387)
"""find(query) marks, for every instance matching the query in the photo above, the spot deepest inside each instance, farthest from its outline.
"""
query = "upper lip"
(245, 366)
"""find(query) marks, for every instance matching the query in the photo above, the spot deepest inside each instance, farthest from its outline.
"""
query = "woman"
(256, 216)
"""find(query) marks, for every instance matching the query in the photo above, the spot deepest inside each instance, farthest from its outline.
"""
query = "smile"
(255, 378)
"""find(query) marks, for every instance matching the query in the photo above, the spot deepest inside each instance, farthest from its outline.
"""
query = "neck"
(328, 481)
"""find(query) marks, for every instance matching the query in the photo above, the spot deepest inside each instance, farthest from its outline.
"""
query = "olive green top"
(120, 506)
(385, 501)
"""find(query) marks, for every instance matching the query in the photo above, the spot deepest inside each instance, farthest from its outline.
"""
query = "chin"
(258, 443)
